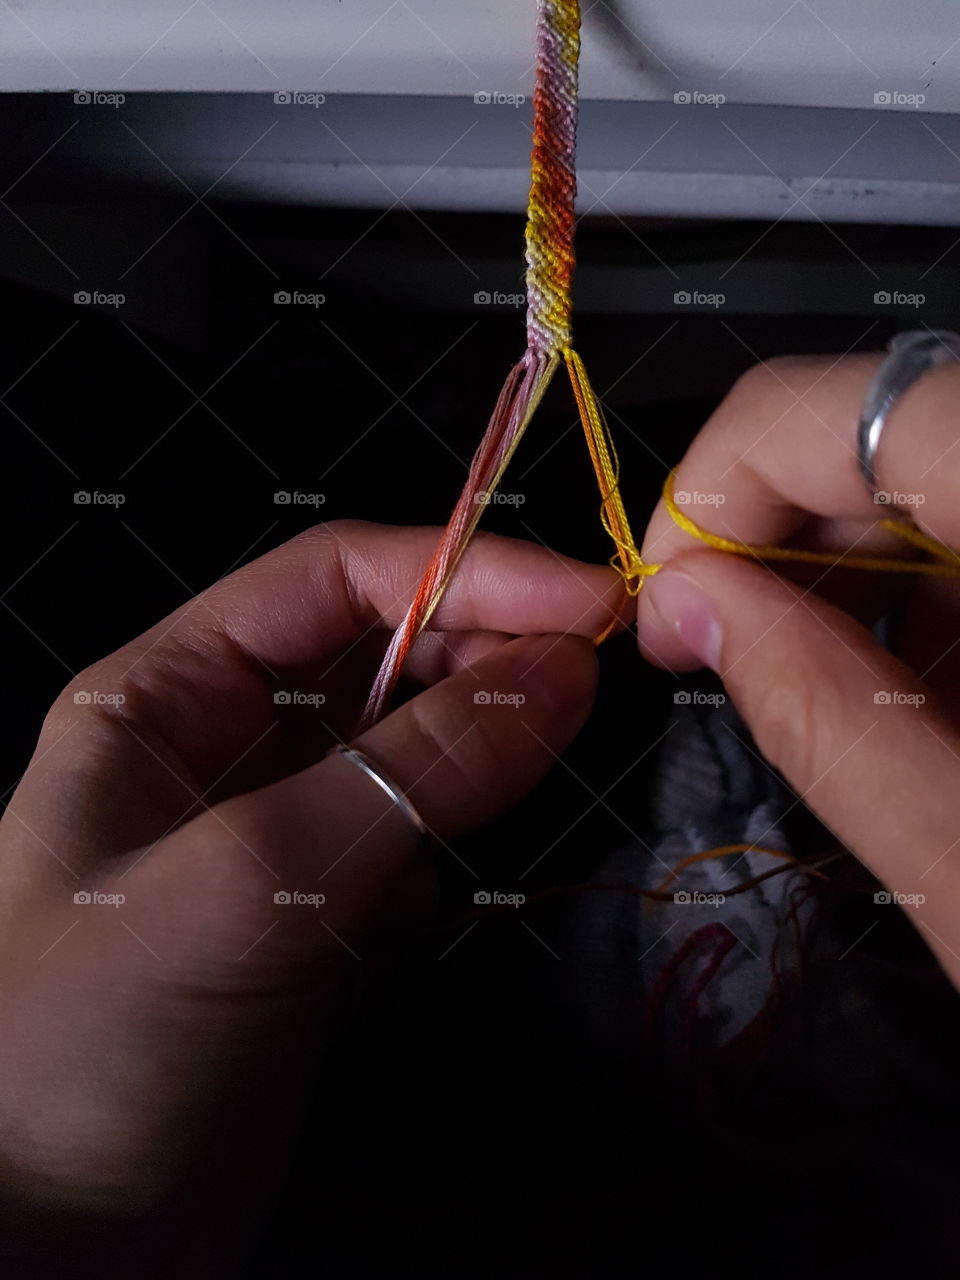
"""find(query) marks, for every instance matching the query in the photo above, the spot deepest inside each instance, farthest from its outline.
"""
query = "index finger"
(186, 713)
(311, 598)
(782, 448)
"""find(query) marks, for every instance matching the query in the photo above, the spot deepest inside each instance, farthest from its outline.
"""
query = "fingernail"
(685, 608)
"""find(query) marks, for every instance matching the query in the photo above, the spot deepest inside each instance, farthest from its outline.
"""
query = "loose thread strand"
(603, 455)
(522, 392)
(550, 257)
(946, 564)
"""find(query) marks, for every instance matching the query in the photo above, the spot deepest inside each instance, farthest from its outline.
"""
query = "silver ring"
(399, 798)
(911, 356)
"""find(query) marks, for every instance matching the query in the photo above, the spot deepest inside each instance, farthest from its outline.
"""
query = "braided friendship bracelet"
(550, 261)
(550, 265)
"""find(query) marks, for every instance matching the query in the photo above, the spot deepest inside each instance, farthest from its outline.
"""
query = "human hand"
(871, 741)
(156, 1051)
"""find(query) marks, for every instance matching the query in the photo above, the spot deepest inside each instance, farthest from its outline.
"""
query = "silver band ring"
(399, 798)
(911, 356)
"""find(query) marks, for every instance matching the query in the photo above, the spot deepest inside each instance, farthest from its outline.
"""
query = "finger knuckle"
(467, 757)
(88, 695)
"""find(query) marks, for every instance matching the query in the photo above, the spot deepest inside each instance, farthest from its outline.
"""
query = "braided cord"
(550, 261)
(553, 177)
(551, 221)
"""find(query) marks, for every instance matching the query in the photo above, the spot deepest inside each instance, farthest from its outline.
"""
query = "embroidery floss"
(945, 563)
(550, 260)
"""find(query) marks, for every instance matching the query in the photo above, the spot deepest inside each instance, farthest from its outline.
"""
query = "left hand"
(162, 1014)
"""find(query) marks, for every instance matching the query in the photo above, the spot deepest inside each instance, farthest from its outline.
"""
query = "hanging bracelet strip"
(550, 262)
(550, 265)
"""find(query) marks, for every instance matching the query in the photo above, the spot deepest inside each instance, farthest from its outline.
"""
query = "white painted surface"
(802, 52)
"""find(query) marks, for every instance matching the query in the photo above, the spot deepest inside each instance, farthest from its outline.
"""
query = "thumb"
(857, 735)
(232, 944)
(463, 752)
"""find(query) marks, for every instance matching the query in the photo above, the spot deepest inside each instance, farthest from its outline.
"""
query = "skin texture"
(155, 1054)
(806, 674)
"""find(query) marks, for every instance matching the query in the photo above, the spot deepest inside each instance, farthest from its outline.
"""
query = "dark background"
(444, 1153)
(307, 399)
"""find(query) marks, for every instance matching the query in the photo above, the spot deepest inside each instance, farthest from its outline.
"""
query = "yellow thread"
(912, 534)
(947, 565)
(724, 851)
(550, 268)
(603, 455)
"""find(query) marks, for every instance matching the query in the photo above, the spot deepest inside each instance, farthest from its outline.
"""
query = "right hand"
(871, 741)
